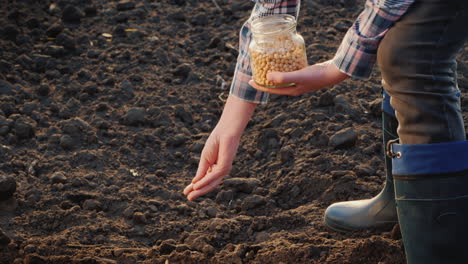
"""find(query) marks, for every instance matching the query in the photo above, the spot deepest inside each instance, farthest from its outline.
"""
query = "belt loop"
(390, 152)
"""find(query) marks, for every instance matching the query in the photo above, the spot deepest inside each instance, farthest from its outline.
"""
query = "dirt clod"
(7, 187)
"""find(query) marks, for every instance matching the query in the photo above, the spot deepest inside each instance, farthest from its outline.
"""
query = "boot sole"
(346, 229)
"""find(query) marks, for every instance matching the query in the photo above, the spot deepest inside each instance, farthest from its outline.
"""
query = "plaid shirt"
(355, 56)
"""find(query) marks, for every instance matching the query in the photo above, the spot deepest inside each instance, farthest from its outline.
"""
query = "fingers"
(188, 189)
(203, 168)
(206, 189)
(227, 150)
(292, 90)
(285, 77)
(218, 172)
(209, 156)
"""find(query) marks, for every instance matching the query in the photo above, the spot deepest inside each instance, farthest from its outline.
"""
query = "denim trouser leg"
(417, 61)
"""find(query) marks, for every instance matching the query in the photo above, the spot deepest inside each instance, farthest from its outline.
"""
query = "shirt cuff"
(240, 88)
(354, 59)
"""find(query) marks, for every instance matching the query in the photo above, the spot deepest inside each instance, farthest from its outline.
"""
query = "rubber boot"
(376, 212)
(431, 188)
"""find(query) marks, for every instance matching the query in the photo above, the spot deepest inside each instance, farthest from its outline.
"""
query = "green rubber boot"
(431, 188)
(379, 211)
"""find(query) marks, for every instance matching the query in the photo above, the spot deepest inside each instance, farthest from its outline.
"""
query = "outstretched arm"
(221, 146)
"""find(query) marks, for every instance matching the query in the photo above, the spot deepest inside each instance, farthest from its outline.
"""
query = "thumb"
(284, 77)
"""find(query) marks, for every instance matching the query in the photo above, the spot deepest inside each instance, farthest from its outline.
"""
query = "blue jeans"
(417, 61)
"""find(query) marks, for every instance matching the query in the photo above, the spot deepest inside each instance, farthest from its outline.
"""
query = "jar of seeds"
(275, 46)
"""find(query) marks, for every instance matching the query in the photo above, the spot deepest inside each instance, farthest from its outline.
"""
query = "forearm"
(358, 50)
(236, 115)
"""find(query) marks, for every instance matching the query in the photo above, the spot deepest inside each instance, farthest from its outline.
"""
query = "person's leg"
(378, 211)
(417, 61)
(431, 189)
(430, 165)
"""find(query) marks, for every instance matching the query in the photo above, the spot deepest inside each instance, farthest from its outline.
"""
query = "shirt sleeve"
(358, 51)
(243, 72)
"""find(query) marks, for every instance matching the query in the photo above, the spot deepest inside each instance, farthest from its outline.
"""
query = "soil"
(105, 107)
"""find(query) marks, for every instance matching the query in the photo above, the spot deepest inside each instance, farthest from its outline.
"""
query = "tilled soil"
(105, 107)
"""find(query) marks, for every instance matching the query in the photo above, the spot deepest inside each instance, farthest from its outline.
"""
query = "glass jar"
(275, 46)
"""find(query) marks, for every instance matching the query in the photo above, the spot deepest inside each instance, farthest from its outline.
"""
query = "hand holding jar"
(275, 46)
(279, 61)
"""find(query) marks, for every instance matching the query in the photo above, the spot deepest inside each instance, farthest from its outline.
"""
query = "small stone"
(54, 9)
(90, 11)
(252, 202)
(341, 26)
(6, 88)
(161, 173)
(9, 32)
(92, 205)
(93, 54)
(184, 209)
(268, 140)
(66, 41)
(24, 128)
(55, 51)
(152, 178)
(211, 211)
(33, 23)
(214, 42)
(135, 116)
(34, 259)
(395, 234)
(326, 99)
(126, 85)
(341, 104)
(177, 16)
(72, 14)
(286, 154)
(182, 70)
(167, 247)
(7, 187)
(277, 120)
(119, 31)
(43, 90)
(54, 30)
(245, 185)
(128, 213)
(375, 107)
(196, 147)
(124, 6)
(177, 2)
(297, 132)
(102, 124)
(208, 249)
(139, 218)
(183, 114)
(67, 142)
(177, 140)
(224, 195)
(58, 177)
(4, 239)
(74, 126)
(28, 108)
(30, 248)
(344, 138)
(200, 20)
(8, 108)
(5, 66)
(362, 170)
(80, 196)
